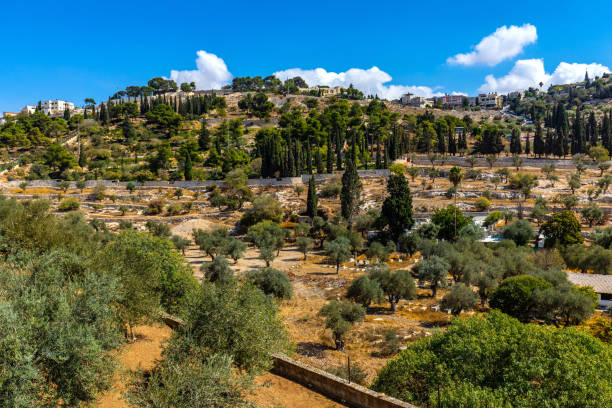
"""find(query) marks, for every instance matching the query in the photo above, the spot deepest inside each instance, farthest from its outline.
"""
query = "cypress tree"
(515, 142)
(128, 128)
(593, 133)
(66, 115)
(330, 154)
(102, 114)
(527, 145)
(82, 158)
(319, 161)
(378, 158)
(204, 137)
(397, 208)
(311, 200)
(452, 144)
(107, 114)
(538, 142)
(605, 130)
(549, 147)
(351, 190)
(188, 167)
(309, 157)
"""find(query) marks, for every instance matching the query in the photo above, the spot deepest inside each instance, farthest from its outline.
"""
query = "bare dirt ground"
(271, 390)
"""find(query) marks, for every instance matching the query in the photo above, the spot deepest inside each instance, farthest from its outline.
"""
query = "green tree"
(269, 238)
(180, 243)
(460, 367)
(254, 333)
(459, 298)
(311, 200)
(339, 317)
(520, 231)
(206, 381)
(218, 271)
(338, 251)
(434, 270)
(394, 285)
(58, 158)
(304, 244)
(561, 229)
(592, 214)
(272, 282)
(351, 191)
(364, 291)
(514, 296)
(397, 207)
(213, 242)
(151, 275)
(264, 208)
(446, 219)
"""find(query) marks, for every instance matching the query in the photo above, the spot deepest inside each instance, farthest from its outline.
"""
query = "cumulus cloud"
(369, 81)
(211, 72)
(504, 43)
(530, 72)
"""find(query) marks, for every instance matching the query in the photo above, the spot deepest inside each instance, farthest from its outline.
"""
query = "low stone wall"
(334, 387)
(502, 161)
(285, 181)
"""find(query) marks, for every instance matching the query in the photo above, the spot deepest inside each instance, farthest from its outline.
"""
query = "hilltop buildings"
(52, 107)
(487, 101)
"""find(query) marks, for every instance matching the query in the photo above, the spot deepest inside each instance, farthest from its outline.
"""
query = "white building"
(416, 101)
(601, 284)
(50, 107)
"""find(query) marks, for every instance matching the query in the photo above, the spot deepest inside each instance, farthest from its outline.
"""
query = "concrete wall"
(334, 387)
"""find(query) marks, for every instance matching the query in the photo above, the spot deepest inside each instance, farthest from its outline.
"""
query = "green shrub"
(69, 204)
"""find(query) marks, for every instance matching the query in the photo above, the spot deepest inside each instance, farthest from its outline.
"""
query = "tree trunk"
(434, 290)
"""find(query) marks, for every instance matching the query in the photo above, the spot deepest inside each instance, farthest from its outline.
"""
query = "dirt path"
(271, 391)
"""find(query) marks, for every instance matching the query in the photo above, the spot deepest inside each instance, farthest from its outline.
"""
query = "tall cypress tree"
(515, 142)
(82, 157)
(319, 161)
(204, 137)
(538, 141)
(351, 190)
(397, 210)
(311, 200)
(330, 154)
(188, 167)
(527, 145)
(309, 157)
(107, 114)
(593, 131)
(549, 147)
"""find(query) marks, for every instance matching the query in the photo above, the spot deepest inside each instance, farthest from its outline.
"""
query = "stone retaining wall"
(334, 387)
(502, 161)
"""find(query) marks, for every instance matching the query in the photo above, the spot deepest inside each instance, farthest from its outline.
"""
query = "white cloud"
(530, 72)
(212, 73)
(369, 81)
(566, 73)
(504, 43)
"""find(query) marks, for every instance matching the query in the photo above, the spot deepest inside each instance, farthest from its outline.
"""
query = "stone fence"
(334, 387)
(502, 161)
(285, 181)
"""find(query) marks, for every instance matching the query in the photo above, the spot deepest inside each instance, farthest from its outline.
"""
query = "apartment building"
(490, 100)
(416, 101)
(50, 107)
(451, 100)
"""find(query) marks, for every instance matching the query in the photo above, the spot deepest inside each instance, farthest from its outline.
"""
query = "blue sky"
(73, 50)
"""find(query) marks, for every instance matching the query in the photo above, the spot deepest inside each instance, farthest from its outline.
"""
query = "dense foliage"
(497, 361)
